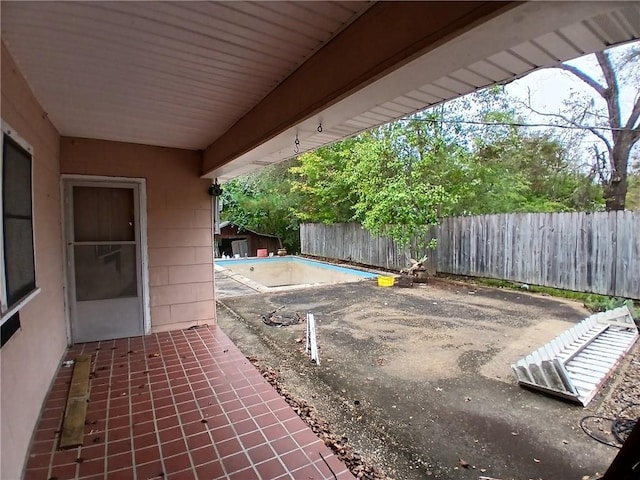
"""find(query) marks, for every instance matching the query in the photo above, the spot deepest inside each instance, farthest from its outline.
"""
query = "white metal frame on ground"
(576, 364)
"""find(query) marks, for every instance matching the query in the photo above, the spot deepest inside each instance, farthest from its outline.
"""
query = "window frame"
(8, 311)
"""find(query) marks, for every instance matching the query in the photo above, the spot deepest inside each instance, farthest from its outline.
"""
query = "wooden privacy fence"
(588, 252)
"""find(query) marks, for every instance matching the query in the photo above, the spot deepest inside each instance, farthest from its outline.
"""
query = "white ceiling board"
(470, 78)
(534, 54)
(180, 74)
(130, 71)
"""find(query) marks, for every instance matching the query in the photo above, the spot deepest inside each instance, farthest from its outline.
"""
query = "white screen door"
(103, 253)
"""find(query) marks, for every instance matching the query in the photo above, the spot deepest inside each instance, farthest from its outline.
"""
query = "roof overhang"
(495, 46)
(242, 80)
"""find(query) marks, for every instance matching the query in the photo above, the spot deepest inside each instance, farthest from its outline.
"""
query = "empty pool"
(283, 273)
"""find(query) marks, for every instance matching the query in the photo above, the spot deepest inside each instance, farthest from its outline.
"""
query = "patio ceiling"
(240, 80)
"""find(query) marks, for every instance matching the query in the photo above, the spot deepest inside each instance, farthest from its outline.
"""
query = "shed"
(234, 239)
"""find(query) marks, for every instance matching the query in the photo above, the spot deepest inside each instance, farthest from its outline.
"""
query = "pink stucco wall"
(179, 222)
(31, 357)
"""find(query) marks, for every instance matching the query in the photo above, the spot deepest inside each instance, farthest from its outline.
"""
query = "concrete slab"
(429, 367)
(226, 286)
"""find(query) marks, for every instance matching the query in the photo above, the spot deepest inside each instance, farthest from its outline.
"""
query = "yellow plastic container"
(386, 281)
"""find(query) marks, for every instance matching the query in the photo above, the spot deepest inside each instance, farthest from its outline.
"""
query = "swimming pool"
(285, 273)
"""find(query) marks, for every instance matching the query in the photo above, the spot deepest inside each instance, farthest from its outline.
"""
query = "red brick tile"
(252, 439)
(143, 428)
(273, 432)
(159, 393)
(248, 474)
(144, 441)
(162, 402)
(238, 415)
(284, 445)
(38, 461)
(245, 426)
(305, 437)
(179, 386)
(37, 474)
(113, 448)
(308, 471)
(210, 470)
(142, 417)
(266, 420)
(149, 470)
(191, 416)
(271, 469)
(146, 455)
(120, 422)
(163, 412)
(261, 453)
(122, 433)
(227, 396)
(222, 433)
(229, 447)
(168, 422)
(184, 475)
(49, 424)
(39, 448)
(294, 425)
(118, 411)
(203, 455)
(258, 409)
(285, 414)
(185, 388)
(98, 476)
(91, 467)
(334, 462)
(64, 457)
(125, 474)
(174, 447)
(194, 428)
(170, 434)
(295, 460)
(199, 440)
(187, 406)
(237, 462)
(118, 462)
(177, 463)
(44, 435)
(64, 472)
(183, 397)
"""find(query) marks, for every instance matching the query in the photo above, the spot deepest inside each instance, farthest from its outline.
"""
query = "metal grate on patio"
(178, 405)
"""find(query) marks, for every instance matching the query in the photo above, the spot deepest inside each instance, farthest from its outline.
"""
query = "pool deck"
(227, 286)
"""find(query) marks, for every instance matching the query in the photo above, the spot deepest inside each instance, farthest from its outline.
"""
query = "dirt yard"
(419, 379)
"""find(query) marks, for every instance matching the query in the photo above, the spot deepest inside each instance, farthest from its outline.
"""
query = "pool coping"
(368, 275)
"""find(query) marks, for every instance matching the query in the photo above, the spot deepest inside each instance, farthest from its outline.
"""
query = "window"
(17, 275)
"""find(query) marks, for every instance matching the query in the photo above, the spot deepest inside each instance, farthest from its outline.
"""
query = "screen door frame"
(139, 185)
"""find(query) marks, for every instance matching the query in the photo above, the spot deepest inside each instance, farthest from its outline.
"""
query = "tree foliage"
(263, 202)
(401, 178)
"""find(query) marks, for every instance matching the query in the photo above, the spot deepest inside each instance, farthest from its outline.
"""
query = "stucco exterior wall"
(32, 355)
(179, 222)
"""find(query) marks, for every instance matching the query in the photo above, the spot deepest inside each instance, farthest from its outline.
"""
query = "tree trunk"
(615, 189)
(615, 193)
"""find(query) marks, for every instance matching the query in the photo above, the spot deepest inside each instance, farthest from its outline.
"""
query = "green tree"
(321, 183)
(406, 175)
(263, 202)
(522, 172)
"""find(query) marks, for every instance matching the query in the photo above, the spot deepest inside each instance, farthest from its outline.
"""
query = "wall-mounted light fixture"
(215, 190)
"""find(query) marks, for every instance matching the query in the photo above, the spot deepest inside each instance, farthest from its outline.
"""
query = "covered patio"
(118, 116)
(184, 405)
